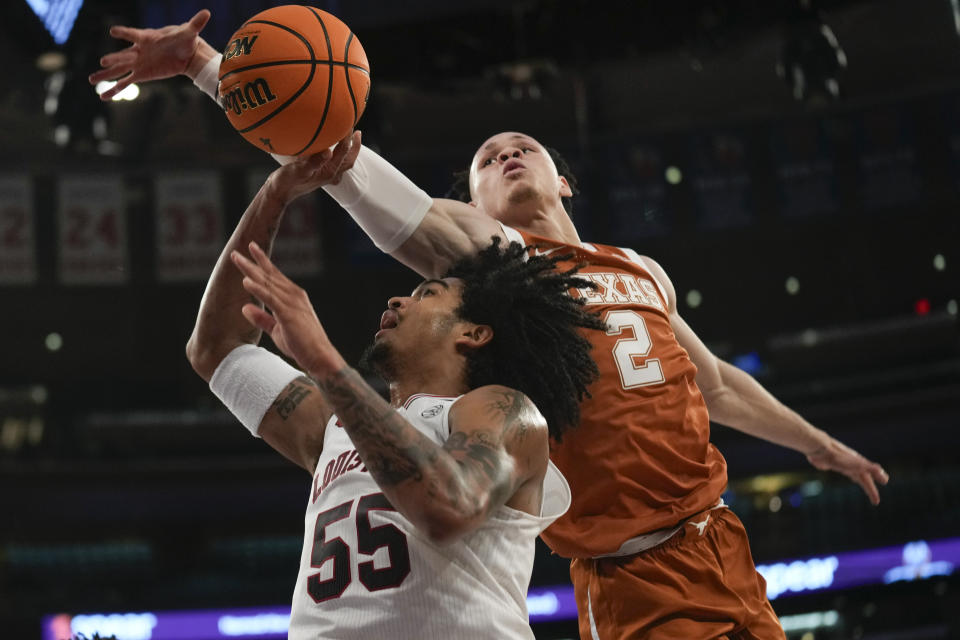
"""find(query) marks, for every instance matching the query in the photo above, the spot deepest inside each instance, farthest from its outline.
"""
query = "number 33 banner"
(189, 225)
(92, 230)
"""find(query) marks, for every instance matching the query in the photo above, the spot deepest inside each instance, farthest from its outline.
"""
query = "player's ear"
(565, 190)
(472, 204)
(474, 336)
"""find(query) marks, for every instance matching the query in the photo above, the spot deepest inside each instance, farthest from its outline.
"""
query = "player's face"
(512, 171)
(423, 324)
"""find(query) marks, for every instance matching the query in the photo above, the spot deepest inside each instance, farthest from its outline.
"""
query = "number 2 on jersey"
(628, 351)
(369, 539)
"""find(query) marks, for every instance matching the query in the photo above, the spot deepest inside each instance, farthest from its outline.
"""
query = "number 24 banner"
(92, 230)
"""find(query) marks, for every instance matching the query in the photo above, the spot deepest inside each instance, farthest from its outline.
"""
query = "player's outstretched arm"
(735, 399)
(155, 54)
(269, 397)
(427, 235)
(498, 439)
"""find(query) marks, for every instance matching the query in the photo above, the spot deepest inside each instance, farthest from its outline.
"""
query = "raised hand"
(304, 175)
(154, 54)
(836, 456)
(293, 324)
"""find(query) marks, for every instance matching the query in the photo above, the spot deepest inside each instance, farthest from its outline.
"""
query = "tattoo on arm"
(475, 474)
(291, 397)
(507, 409)
(392, 449)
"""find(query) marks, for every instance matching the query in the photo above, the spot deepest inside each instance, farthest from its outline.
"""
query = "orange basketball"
(294, 80)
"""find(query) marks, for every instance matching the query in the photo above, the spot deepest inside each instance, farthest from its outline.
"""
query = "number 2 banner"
(92, 230)
(189, 225)
(18, 259)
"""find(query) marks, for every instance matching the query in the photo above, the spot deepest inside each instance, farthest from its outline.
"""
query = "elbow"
(445, 524)
(203, 359)
(444, 532)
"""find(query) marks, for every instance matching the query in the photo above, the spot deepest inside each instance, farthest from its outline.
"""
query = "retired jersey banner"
(18, 257)
(296, 249)
(889, 171)
(638, 192)
(92, 230)
(721, 181)
(189, 225)
(806, 173)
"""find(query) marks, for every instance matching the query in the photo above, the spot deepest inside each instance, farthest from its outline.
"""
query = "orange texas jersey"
(641, 457)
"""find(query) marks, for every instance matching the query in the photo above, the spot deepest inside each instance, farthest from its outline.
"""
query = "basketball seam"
(326, 106)
(303, 88)
(334, 63)
(346, 75)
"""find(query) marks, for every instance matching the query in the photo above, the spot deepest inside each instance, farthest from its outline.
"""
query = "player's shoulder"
(497, 404)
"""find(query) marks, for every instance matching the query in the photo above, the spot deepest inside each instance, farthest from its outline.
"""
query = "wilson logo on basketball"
(252, 95)
(239, 47)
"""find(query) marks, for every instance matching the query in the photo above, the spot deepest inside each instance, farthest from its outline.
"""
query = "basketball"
(294, 80)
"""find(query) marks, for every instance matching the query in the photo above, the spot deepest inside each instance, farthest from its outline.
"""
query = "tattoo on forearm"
(291, 397)
(393, 450)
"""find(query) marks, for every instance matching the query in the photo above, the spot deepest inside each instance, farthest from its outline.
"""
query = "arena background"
(812, 235)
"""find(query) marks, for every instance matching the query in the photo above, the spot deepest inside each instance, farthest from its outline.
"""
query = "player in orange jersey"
(655, 553)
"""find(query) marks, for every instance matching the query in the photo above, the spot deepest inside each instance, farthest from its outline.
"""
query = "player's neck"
(442, 381)
(553, 224)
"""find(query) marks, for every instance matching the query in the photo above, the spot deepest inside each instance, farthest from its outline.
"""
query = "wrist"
(328, 363)
(819, 444)
(201, 56)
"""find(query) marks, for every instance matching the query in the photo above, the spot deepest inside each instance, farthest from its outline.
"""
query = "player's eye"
(487, 161)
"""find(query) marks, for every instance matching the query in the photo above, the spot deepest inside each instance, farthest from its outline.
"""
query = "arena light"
(131, 92)
(57, 16)
(792, 285)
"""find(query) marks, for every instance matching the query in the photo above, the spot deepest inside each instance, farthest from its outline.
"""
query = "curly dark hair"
(460, 189)
(536, 346)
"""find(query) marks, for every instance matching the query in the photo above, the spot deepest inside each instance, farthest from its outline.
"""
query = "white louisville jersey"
(367, 572)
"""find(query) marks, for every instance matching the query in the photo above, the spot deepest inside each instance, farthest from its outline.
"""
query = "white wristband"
(248, 380)
(383, 201)
(208, 79)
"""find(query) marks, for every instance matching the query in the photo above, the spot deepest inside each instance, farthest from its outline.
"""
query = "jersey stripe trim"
(409, 401)
(635, 257)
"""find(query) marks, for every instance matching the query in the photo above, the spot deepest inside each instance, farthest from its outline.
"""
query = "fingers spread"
(199, 21)
(866, 481)
(124, 33)
(117, 88)
(112, 73)
(263, 261)
(259, 318)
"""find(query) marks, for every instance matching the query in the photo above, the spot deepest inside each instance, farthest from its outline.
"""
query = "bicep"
(499, 439)
(449, 231)
(295, 423)
(709, 376)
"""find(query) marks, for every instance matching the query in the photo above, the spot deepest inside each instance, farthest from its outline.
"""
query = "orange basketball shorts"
(701, 583)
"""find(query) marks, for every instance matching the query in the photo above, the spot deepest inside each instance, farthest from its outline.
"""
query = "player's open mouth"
(511, 166)
(388, 320)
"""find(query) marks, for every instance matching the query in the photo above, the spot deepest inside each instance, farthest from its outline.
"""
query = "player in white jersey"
(423, 512)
